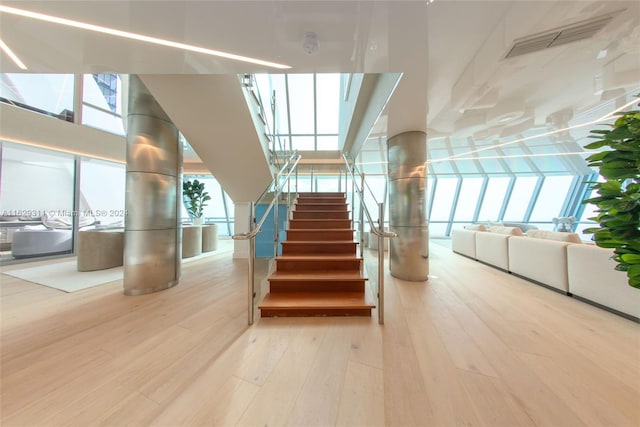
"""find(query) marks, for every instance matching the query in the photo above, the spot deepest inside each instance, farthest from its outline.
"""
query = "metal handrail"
(379, 231)
(252, 234)
(254, 229)
(272, 133)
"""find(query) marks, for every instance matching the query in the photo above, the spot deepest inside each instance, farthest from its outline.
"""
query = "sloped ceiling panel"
(212, 113)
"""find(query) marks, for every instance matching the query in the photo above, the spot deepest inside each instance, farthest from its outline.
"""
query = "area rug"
(65, 276)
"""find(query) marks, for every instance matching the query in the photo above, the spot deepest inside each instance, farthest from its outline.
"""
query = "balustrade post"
(252, 253)
(381, 264)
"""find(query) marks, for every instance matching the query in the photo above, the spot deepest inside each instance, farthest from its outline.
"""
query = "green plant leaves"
(618, 202)
(195, 197)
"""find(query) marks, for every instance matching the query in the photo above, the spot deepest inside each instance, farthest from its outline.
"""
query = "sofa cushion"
(464, 242)
(544, 261)
(475, 227)
(554, 235)
(492, 249)
(592, 276)
(512, 231)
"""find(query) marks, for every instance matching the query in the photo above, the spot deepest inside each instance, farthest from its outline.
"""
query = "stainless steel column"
(409, 252)
(152, 241)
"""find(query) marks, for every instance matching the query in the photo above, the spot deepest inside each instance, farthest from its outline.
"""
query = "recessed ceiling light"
(134, 36)
(12, 55)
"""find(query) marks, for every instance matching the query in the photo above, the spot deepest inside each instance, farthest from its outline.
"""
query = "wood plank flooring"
(472, 346)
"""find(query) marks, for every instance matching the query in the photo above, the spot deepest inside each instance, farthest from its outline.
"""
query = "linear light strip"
(12, 55)
(134, 36)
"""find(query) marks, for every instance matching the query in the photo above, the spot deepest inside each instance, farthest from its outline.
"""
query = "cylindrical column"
(409, 251)
(152, 242)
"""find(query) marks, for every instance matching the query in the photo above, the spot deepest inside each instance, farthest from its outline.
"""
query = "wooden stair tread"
(319, 257)
(311, 300)
(313, 276)
(319, 210)
(317, 202)
(324, 220)
(319, 230)
(322, 242)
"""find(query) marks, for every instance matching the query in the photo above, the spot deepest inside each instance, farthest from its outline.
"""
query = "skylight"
(306, 109)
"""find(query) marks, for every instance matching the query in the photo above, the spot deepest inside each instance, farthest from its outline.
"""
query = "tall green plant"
(195, 197)
(618, 199)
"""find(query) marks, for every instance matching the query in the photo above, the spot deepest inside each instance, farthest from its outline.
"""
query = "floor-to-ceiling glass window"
(36, 202)
(306, 109)
(102, 193)
(219, 210)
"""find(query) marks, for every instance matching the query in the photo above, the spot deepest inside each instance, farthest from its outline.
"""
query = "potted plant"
(618, 198)
(195, 199)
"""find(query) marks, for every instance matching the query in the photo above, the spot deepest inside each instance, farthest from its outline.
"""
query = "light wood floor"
(473, 346)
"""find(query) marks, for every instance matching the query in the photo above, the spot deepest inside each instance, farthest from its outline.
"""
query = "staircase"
(318, 273)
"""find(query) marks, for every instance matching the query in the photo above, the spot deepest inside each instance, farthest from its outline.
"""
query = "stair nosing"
(319, 257)
(326, 300)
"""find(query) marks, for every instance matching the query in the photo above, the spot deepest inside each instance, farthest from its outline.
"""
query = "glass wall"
(219, 210)
(36, 202)
(101, 102)
(53, 94)
(306, 108)
(38, 209)
(102, 192)
(50, 94)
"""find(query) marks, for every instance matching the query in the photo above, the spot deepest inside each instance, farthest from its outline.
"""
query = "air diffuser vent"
(559, 36)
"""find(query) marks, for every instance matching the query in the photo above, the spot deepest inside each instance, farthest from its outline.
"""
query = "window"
(102, 191)
(493, 198)
(468, 199)
(443, 199)
(308, 103)
(101, 102)
(50, 94)
(217, 208)
(520, 198)
(36, 202)
(551, 199)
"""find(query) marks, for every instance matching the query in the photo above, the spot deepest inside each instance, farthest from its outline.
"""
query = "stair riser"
(302, 235)
(320, 265)
(302, 312)
(304, 200)
(320, 207)
(319, 224)
(302, 286)
(289, 248)
(320, 215)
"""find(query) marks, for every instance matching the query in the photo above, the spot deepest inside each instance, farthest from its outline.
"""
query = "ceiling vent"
(568, 34)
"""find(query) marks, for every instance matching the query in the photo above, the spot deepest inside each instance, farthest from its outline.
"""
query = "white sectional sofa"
(493, 248)
(542, 257)
(463, 241)
(592, 277)
(557, 260)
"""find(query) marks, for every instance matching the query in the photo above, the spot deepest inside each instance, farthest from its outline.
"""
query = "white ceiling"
(454, 49)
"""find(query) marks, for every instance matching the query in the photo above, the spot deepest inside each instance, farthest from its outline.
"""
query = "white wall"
(241, 225)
